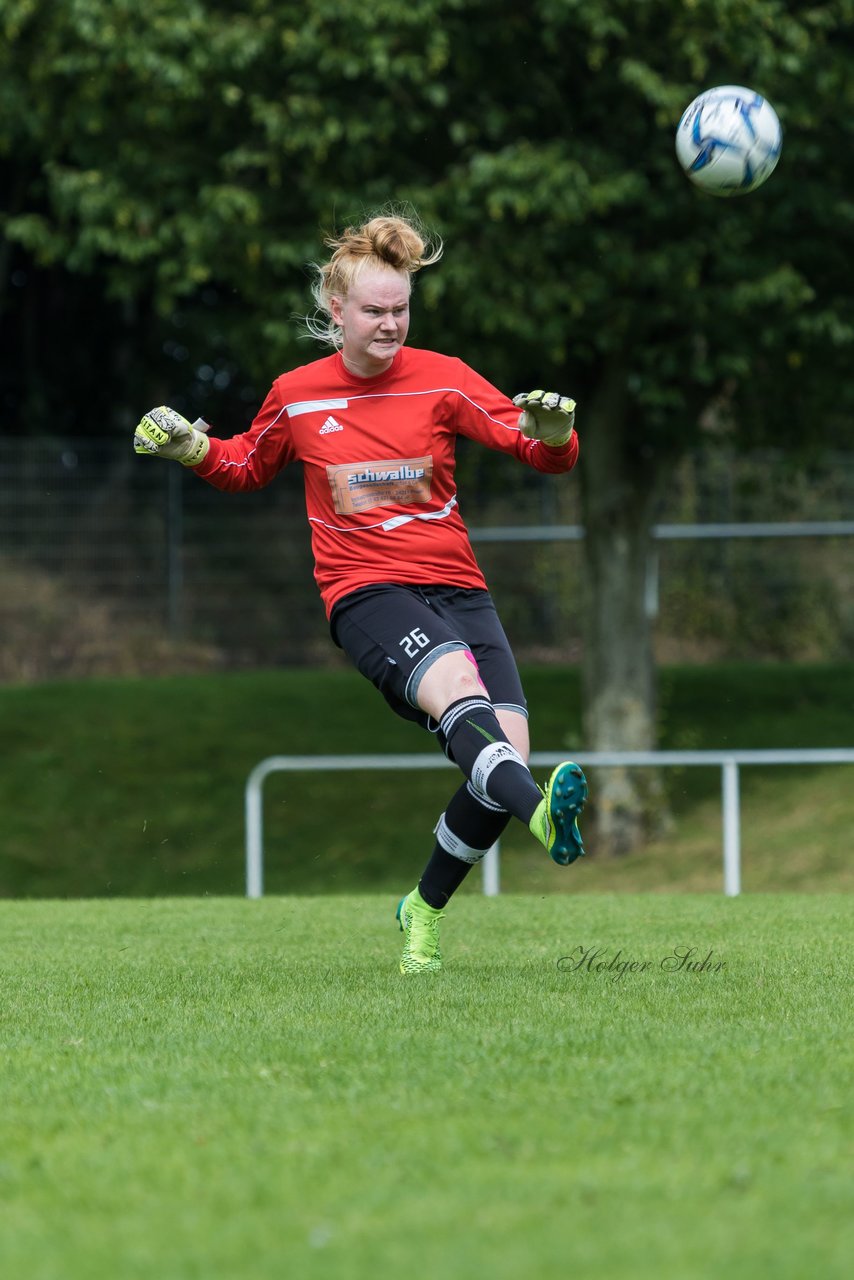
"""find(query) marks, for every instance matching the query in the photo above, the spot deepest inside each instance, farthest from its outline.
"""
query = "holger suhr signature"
(605, 960)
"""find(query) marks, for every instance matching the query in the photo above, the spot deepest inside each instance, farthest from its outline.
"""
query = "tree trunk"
(618, 675)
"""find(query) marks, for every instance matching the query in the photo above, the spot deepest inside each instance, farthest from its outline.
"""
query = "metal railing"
(714, 531)
(729, 763)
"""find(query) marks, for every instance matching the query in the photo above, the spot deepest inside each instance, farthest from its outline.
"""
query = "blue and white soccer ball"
(729, 140)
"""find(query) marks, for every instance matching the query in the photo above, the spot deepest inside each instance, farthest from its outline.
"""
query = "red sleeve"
(487, 415)
(251, 460)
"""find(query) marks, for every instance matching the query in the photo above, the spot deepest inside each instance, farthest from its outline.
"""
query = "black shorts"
(393, 634)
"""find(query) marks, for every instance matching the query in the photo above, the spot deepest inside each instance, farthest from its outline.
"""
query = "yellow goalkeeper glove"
(163, 433)
(546, 416)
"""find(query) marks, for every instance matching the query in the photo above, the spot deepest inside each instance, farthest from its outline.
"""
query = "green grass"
(135, 787)
(223, 1089)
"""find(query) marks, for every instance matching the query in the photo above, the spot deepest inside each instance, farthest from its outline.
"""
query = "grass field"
(111, 788)
(222, 1089)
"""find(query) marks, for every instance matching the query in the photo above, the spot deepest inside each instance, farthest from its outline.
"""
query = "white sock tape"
(490, 758)
(484, 801)
(456, 847)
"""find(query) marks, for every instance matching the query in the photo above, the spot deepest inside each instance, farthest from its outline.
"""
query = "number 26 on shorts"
(414, 641)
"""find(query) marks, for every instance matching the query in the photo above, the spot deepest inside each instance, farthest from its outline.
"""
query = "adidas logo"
(330, 425)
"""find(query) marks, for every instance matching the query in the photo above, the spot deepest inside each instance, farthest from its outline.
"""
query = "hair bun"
(392, 238)
(400, 242)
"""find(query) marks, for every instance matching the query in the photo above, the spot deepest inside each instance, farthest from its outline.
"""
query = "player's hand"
(163, 433)
(546, 416)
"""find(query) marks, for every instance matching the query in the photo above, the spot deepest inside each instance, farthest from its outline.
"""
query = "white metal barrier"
(728, 761)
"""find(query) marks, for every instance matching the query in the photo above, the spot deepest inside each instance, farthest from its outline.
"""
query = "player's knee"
(450, 678)
(462, 683)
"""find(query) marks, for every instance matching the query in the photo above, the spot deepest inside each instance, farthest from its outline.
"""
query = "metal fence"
(729, 763)
(106, 557)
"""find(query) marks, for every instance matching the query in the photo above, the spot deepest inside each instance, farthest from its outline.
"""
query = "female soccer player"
(374, 426)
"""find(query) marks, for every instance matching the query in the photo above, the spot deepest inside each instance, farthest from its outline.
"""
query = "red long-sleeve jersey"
(378, 464)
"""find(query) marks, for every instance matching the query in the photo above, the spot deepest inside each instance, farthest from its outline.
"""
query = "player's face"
(374, 320)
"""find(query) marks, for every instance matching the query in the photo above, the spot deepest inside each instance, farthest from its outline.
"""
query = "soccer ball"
(729, 140)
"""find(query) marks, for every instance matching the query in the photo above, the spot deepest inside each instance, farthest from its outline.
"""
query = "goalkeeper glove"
(546, 416)
(165, 434)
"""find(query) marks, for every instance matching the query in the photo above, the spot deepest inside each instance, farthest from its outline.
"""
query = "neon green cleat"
(419, 922)
(555, 820)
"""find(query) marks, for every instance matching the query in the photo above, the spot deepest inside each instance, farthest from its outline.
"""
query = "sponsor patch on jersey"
(390, 482)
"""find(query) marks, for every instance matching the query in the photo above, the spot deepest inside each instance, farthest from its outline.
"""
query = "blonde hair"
(388, 240)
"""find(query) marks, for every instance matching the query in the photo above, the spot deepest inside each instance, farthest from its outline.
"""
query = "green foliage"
(246, 1091)
(170, 169)
(184, 158)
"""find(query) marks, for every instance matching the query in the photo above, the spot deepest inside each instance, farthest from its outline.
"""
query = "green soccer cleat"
(419, 924)
(555, 820)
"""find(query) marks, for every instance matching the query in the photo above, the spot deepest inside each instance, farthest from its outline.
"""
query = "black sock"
(469, 828)
(442, 876)
(477, 743)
